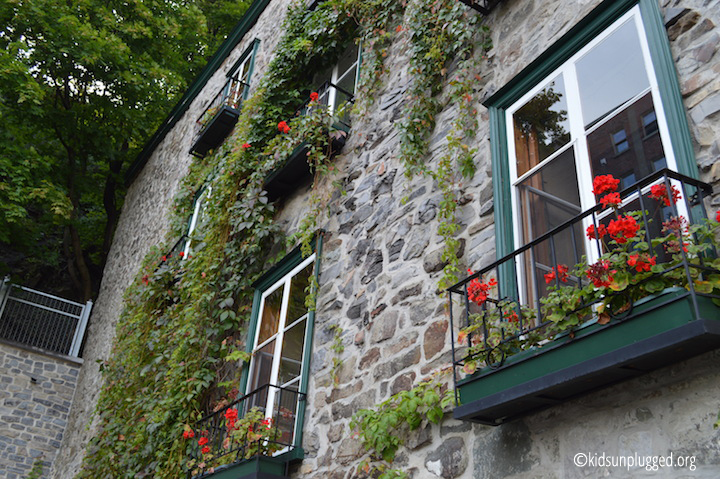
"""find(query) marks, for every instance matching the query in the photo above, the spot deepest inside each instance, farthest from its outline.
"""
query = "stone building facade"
(36, 389)
(381, 261)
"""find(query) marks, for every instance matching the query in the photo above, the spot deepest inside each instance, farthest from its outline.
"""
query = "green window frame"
(598, 21)
(280, 279)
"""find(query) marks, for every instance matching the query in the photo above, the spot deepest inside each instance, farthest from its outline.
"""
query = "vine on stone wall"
(443, 32)
(386, 427)
(182, 329)
(182, 326)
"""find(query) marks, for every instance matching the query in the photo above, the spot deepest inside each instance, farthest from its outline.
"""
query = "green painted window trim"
(570, 43)
(276, 273)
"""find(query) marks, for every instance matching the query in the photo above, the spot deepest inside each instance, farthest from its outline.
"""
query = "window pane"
(270, 315)
(348, 58)
(621, 148)
(298, 292)
(292, 353)
(549, 197)
(284, 413)
(541, 126)
(611, 73)
(262, 367)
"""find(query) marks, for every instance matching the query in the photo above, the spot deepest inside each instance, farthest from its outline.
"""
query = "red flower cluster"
(313, 96)
(182, 254)
(641, 262)
(267, 422)
(596, 234)
(188, 434)
(246, 145)
(205, 449)
(478, 291)
(164, 258)
(283, 127)
(659, 192)
(623, 229)
(202, 441)
(611, 200)
(512, 316)
(605, 183)
(145, 280)
(717, 216)
(562, 274)
(231, 416)
(600, 274)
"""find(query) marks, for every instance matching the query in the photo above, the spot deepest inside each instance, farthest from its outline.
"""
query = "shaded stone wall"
(36, 392)
(381, 263)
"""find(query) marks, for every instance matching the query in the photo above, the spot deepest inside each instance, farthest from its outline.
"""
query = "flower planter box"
(295, 170)
(258, 467)
(659, 331)
(214, 132)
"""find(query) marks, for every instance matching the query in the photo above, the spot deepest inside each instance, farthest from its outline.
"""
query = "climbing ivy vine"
(182, 329)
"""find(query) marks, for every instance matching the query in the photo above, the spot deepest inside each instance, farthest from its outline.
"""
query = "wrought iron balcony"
(41, 320)
(248, 437)
(528, 332)
(219, 118)
(295, 170)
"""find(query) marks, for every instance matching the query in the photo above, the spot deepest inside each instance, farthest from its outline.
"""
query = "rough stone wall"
(36, 391)
(381, 263)
(144, 222)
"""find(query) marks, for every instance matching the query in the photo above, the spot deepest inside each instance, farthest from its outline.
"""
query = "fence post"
(80, 330)
(4, 293)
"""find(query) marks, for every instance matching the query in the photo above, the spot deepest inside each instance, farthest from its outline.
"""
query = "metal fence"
(38, 319)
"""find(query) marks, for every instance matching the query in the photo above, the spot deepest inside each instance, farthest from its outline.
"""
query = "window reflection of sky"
(611, 73)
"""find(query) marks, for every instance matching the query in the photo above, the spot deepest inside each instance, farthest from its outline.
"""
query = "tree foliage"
(82, 86)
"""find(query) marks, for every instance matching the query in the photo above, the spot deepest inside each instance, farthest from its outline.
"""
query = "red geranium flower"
(512, 316)
(182, 254)
(188, 434)
(205, 449)
(202, 441)
(313, 96)
(283, 127)
(659, 192)
(611, 199)
(145, 280)
(641, 262)
(562, 274)
(245, 146)
(717, 216)
(163, 258)
(623, 229)
(605, 183)
(593, 234)
(478, 291)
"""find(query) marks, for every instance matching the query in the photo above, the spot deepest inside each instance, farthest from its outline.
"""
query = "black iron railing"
(261, 423)
(529, 297)
(231, 96)
(482, 6)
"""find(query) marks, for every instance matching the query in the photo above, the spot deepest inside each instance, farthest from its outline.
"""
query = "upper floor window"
(279, 341)
(577, 114)
(198, 218)
(336, 86)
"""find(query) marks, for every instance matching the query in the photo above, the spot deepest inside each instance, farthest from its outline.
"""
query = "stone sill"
(51, 354)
